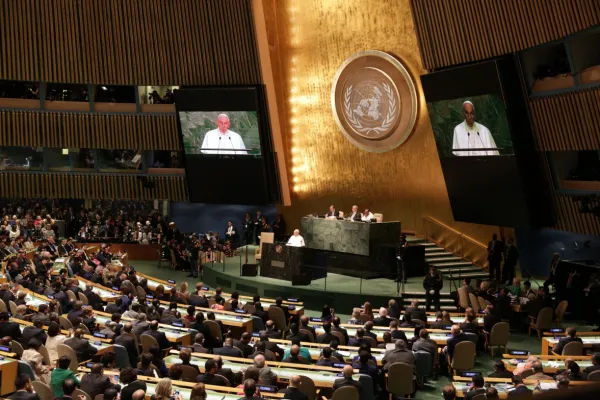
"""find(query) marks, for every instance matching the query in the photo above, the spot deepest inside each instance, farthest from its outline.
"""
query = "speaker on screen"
(228, 150)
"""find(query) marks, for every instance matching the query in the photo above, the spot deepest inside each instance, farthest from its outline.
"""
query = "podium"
(280, 261)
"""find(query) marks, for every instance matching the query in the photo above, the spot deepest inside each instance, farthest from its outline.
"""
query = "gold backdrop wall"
(309, 40)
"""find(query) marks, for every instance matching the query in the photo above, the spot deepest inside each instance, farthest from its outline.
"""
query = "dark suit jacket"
(23, 395)
(357, 216)
(417, 313)
(82, 347)
(274, 348)
(354, 342)
(341, 382)
(398, 334)
(342, 330)
(325, 338)
(128, 390)
(209, 379)
(336, 214)
(160, 337)
(303, 337)
(294, 394)
(10, 329)
(393, 356)
(112, 308)
(472, 393)
(128, 342)
(501, 374)
(31, 332)
(564, 341)
(520, 391)
(310, 329)
(495, 254)
(394, 312)
(471, 327)
(227, 351)
(511, 256)
(296, 360)
(95, 384)
(591, 369)
(325, 363)
(245, 348)
(380, 321)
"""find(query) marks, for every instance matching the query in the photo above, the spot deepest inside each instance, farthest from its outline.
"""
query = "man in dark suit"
(161, 338)
(325, 359)
(432, 283)
(347, 380)
(271, 346)
(470, 325)
(490, 319)
(571, 336)
(33, 331)
(476, 388)
(511, 256)
(24, 389)
(9, 328)
(457, 337)
(425, 344)
(553, 267)
(128, 377)
(271, 331)
(296, 334)
(62, 248)
(500, 371)
(358, 339)
(228, 349)
(382, 319)
(520, 390)
(292, 392)
(595, 364)
(249, 390)
(244, 344)
(355, 215)
(210, 340)
(93, 299)
(304, 320)
(326, 336)
(227, 372)
(416, 312)
(185, 355)
(399, 354)
(96, 382)
(127, 340)
(396, 333)
(332, 212)
(209, 377)
(368, 328)
(337, 328)
(284, 308)
(260, 312)
(495, 251)
(82, 347)
(393, 309)
(198, 346)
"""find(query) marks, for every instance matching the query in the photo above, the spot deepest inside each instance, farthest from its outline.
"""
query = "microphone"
(230, 142)
(219, 146)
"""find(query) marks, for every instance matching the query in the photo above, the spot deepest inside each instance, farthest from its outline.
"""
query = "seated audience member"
(161, 337)
(210, 376)
(145, 366)
(34, 358)
(249, 390)
(571, 336)
(572, 373)
(366, 366)
(244, 344)
(399, 354)
(198, 346)
(271, 346)
(538, 372)
(292, 392)
(562, 383)
(338, 328)
(95, 382)
(355, 319)
(303, 350)
(439, 323)
(520, 389)
(387, 338)
(368, 330)
(382, 319)
(393, 309)
(267, 376)
(476, 388)
(525, 366)
(61, 374)
(491, 394)
(326, 336)
(471, 325)
(82, 347)
(397, 333)
(500, 371)
(228, 349)
(24, 389)
(595, 364)
(490, 319)
(34, 331)
(347, 380)
(334, 353)
(449, 392)
(457, 337)
(128, 378)
(416, 312)
(304, 325)
(295, 357)
(185, 355)
(407, 321)
(162, 391)
(358, 338)
(175, 372)
(515, 288)
(271, 330)
(425, 344)
(68, 387)
(527, 292)
(367, 310)
(325, 359)
(296, 334)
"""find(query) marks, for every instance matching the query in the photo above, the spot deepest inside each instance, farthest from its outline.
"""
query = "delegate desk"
(551, 364)
(461, 384)
(348, 352)
(154, 282)
(106, 294)
(178, 335)
(34, 300)
(593, 340)
(8, 373)
(184, 388)
(324, 377)
(265, 302)
(437, 335)
(457, 318)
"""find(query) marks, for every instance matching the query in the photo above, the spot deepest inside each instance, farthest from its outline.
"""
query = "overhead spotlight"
(104, 88)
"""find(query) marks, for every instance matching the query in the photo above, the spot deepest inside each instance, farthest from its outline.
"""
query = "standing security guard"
(432, 284)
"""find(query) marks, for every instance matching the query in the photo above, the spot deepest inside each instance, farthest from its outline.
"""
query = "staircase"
(452, 268)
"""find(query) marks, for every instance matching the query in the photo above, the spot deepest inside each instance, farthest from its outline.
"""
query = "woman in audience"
(145, 367)
(164, 391)
(355, 320)
(21, 311)
(251, 373)
(328, 313)
(368, 310)
(198, 391)
(54, 339)
(33, 357)
(20, 300)
(159, 293)
(191, 314)
(184, 291)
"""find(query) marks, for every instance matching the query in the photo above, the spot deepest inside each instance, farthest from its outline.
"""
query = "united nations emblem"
(374, 101)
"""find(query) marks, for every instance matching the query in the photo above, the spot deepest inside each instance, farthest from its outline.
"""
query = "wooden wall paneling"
(4, 42)
(22, 56)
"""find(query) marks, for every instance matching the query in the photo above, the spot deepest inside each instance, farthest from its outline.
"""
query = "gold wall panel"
(97, 131)
(140, 42)
(313, 38)
(90, 186)
(568, 217)
(453, 32)
(569, 121)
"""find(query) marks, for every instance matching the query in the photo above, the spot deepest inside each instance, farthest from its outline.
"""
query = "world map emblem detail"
(374, 101)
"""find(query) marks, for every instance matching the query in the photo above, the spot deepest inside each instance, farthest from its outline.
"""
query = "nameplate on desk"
(294, 299)
(177, 324)
(97, 343)
(50, 296)
(312, 319)
(267, 389)
(447, 327)
(256, 334)
(291, 307)
(204, 288)
(170, 281)
(149, 296)
(556, 330)
(115, 288)
(99, 335)
(277, 264)
(238, 317)
(5, 349)
(339, 365)
(518, 352)
(240, 311)
(89, 365)
(469, 374)
(449, 335)
(341, 375)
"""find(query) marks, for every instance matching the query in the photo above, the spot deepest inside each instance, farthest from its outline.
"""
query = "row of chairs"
(548, 316)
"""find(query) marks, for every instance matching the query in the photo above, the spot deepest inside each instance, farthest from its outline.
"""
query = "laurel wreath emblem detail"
(387, 121)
